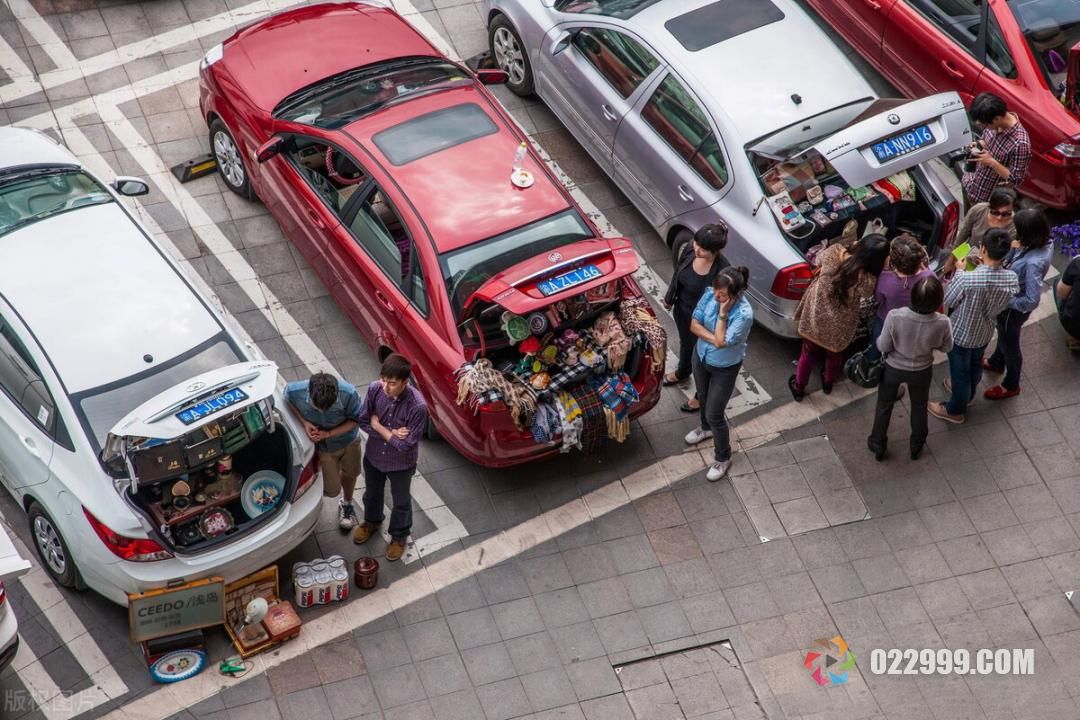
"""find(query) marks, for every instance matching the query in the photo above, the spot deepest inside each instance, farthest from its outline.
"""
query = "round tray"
(262, 492)
(178, 665)
(522, 178)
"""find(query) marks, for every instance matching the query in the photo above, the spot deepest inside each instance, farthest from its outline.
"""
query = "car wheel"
(230, 161)
(678, 246)
(510, 55)
(52, 549)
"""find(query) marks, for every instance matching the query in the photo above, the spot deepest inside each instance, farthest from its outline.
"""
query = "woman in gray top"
(908, 341)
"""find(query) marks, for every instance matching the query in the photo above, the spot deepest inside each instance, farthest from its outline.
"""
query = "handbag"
(863, 371)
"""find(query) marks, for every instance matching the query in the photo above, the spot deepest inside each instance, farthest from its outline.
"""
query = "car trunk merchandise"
(590, 347)
(215, 481)
(249, 633)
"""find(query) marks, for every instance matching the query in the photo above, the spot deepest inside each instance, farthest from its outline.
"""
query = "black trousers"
(687, 340)
(1008, 355)
(375, 491)
(714, 386)
(918, 383)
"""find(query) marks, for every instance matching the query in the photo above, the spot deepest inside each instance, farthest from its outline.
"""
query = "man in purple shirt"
(394, 417)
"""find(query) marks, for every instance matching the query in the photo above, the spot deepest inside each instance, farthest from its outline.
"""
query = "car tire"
(230, 161)
(53, 550)
(678, 245)
(510, 55)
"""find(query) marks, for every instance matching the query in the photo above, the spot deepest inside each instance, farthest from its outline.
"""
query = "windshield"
(101, 408)
(33, 194)
(339, 100)
(612, 8)
(468, 268)
(1051, 28)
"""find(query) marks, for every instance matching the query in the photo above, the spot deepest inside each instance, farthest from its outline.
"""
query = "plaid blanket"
(594, 429)
(617, 393)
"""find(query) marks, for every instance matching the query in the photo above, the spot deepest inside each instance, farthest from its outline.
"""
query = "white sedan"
(11, 566)
(141, 433)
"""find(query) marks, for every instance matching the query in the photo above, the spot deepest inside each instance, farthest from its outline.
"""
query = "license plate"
(568, 280)
(206, 408)
(904, 143)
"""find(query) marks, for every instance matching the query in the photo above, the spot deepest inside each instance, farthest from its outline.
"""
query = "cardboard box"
(263, 583)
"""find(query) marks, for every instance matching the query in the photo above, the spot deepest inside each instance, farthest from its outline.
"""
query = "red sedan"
(1021, 50)
(390, 168)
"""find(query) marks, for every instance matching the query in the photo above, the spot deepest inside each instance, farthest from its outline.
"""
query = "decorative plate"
(178, 665)
(522, 178)
(515, 327)
(189, 533)
(215, 522)
(538, 323)
(262, 492)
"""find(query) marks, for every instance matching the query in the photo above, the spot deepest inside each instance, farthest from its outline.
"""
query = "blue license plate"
(906, 142)
(206, 408)
(568, 280)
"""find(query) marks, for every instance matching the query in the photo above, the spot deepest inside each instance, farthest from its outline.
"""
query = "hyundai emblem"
(195, 386)
(894, 118)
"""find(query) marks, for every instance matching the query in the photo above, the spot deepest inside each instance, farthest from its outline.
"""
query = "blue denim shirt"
(739, 322)
(1030, 267)
(348, 406)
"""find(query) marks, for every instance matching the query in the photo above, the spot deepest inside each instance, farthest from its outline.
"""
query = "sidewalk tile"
(802, 515)
(443, 675)
(503, 700)
(351, 697)
(548, 689)
(429, 639)
(398, 686)
(488, 663)
(304, 704)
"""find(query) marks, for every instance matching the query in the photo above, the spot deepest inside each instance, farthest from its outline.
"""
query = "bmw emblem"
(195, 386)
(894, 118)
(555, 257)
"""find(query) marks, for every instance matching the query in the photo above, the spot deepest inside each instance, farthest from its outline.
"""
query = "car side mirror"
(562, 43)
(270, 148)
(492, 77)
(130, 186)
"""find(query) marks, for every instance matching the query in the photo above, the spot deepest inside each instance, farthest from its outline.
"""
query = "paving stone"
(736, 567)
(443, 675)
(750, 490)
(842, 506)
(398, 686)
(1032, 502)
(880, 573)
(819, 548)
(659, 511)
(488, 663)
(900, 607)
(1009, 545)
(1014, 470)
(473, 628)
(461, 596)
(717, 534)
(802, 515)
(462, 705)
(429, 639)
(1054, 462)
(699, 502)
(503, 700)
(691, 577)
(503, 582)
(811, 448)
(986, 589)
(418, 710)
(592, 563)
(546, 573)
(648, 587)
(548, 689)
(969, 479)
(989, 512)
(296, 674)
(517, 618)
(1030, 579)
(1035, 430)
(946, 521)
(837, 582)
(612, 707)
(605, 597)
(577, 642)
(620, 632)
(664, 622)
(1052, 536)
(923, 564)
(260, 710)
(593, 678)
(943, 599)
(699, 695)
(1066, 569)
(770, 456)
(655, 702)
(751, 602)
(857, 618)
(384, 649)
(632, 553)
(249, 691)
(303, 704)
(562, 607)
(1008, 624)
(784, 483)
(966, 554)
(350, 698)
(674, 544)
(708, 612)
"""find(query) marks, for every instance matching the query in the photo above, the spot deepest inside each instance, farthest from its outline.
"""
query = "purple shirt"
(894, 291)
(407, 410)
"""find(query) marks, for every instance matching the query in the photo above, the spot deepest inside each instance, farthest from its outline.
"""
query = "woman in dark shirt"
(701, 260)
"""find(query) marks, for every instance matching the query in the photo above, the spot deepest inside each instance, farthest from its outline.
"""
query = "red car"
(1021, 50)
(390, 168)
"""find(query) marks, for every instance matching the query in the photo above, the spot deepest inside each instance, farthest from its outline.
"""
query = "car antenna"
(796, 98)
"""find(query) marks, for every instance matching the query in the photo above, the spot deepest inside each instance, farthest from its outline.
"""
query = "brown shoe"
(1072, 343)
(363, 532)
(395, 549)
(938, 410)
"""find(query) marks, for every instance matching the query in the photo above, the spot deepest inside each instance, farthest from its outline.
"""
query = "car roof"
(463, 193)
(98, 301)
(767, 64)
(286, 52)
(24, 147)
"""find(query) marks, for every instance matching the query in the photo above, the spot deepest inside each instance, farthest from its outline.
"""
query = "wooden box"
(263, 583)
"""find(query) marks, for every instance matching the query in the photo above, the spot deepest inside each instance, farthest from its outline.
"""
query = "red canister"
(366, 573)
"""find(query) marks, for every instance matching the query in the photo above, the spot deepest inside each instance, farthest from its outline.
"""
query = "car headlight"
(212, 56)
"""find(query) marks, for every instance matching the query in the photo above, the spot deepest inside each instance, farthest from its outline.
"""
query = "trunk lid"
(879, 143)
(544, 280)
(137, 441)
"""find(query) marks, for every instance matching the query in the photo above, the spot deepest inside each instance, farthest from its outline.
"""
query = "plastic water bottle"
(519, 156)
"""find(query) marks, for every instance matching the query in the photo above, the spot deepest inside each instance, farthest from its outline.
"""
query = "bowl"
(262, 492)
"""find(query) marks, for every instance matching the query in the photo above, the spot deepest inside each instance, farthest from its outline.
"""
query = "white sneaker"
(697, 435)
(346, 516)
(718, 470)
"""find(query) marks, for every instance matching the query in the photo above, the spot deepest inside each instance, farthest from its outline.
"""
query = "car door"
(861, 22)
(28, 417)
(668, 157)
(932, 46)
(589, 75)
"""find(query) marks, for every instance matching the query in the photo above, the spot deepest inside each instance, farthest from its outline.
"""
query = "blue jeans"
(872, 353)
(965, 370)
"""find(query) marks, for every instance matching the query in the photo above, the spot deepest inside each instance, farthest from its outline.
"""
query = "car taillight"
(1068, 152)
(791, 282)
(125, 548)
(950, 221)
(307, 477)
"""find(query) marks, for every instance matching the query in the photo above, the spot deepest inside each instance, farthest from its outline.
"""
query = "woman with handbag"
(828, 314)
(700, 261)
(908, 340)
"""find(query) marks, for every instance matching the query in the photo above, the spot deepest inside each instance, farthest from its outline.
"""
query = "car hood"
(275, 57)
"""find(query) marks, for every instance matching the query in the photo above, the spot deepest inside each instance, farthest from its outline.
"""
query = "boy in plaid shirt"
(1002, 153)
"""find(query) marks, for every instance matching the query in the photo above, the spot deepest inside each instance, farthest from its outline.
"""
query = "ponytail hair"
(733, 279)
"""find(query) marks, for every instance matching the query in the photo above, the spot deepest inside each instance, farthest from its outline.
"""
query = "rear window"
(435, 131)
(101, 408)
(467, 269)
(1051, 28)
(720, 21)
(622, 9)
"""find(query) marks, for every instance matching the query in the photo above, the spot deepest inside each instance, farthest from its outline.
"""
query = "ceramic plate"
(262, 492)
(178, 665)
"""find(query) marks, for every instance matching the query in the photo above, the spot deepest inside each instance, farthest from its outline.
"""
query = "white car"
(11, 566)
(125, 394)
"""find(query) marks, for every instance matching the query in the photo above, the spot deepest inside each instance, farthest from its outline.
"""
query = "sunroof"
(720, 21)
(435, 131)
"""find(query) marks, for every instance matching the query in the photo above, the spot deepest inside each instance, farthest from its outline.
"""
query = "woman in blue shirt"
(1029, 259)
(722, 321)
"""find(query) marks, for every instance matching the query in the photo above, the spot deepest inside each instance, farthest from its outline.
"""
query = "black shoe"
(795, 392)
(826, 387)
(878, 450)
(686, 407)
(916, 452)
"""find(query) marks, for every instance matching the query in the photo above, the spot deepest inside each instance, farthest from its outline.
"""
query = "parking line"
(50, 42)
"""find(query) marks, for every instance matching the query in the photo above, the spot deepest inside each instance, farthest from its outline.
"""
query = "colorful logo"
(829, 661)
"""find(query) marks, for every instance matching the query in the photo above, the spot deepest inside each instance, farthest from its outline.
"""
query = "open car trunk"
(869, 171)
(565, 344)
(205, 463)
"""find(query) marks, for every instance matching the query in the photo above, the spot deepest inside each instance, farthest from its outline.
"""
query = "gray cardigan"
(910, 338)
